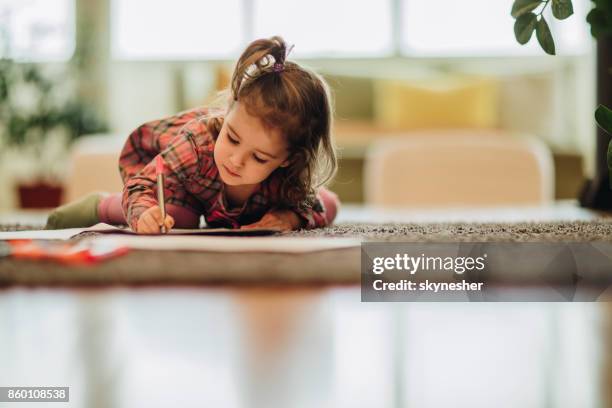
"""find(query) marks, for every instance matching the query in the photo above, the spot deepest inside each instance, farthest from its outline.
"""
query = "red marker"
(159, 170)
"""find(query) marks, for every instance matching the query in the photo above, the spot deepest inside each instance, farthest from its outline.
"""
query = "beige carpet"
(576, 231)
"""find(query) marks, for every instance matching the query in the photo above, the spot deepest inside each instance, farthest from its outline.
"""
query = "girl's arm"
(321, 214)
(183, 159)
(283, 220)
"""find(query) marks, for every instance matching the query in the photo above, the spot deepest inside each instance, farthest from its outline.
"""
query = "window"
(37, 30)
(328, 28)
(196, 29)
(177, 29)
(206, 29)
(480, 28)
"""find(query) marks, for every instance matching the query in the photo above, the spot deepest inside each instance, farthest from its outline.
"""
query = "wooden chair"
(458, 170)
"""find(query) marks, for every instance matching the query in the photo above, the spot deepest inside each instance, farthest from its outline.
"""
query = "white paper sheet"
(275, 243)
(64, 234)
(278, 244)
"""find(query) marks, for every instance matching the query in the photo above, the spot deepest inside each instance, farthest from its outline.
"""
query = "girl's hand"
(283, 220)
(151, 220)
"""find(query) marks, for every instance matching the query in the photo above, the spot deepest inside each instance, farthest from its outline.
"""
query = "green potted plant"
(40, 117)
(597, 193)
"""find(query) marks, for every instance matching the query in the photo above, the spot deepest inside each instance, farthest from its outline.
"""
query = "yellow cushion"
(452, 102)
(353, 96)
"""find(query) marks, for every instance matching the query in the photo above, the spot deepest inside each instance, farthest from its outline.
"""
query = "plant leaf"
(521, 7)
(603, 5)
(562, 9)
(601, 23)
(524, 26)
(603, 116)
(545, 37)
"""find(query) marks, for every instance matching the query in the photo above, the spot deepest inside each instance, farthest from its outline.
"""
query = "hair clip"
(278, 67)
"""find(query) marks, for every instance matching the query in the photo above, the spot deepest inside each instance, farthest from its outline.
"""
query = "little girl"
(256, 163)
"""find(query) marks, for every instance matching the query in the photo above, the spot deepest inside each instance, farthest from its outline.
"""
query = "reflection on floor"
(287, 347)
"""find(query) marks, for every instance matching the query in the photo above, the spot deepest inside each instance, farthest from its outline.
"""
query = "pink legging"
(331, 202)
(110, 210)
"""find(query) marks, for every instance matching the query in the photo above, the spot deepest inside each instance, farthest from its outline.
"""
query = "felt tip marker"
(159, 170)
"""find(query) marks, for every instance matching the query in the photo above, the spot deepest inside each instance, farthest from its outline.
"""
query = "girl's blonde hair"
(295, 100)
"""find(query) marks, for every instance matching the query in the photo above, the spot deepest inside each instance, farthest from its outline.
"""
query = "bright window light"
(177, 29)
(572, 35)
(480, 28)
(203, 29)
(37, 30)
(327, 28)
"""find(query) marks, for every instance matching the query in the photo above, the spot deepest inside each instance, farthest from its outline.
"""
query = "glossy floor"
(291, 347)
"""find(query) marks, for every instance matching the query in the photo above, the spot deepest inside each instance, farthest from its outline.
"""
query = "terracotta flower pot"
(40, 195)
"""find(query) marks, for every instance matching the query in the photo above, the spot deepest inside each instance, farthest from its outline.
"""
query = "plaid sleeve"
(312, 216)
(150, 138)
(182, 158)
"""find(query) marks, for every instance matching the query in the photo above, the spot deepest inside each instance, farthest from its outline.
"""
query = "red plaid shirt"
(191, 176)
